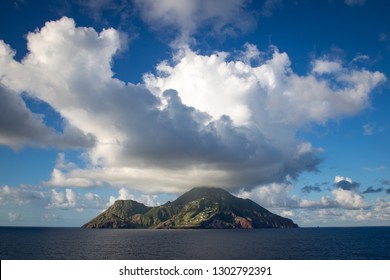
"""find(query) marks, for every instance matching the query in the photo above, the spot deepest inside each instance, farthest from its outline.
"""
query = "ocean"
(25, 243)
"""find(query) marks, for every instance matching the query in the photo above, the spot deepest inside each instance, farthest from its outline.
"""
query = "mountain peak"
(203, 193)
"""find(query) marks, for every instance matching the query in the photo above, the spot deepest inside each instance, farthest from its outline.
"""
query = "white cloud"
(360, 215)
(344, 196)
(325, 67)
(349, 199)
(201, 120)
(186, 17)
(368, 129)
(74, 178)
(269, 92)
(67, 199)
(91, 196)
(274, 195)
(361, 58)
(372, 128)
(339, 178)
(382, 209)
(324, 202)
(124, 194)
(287, 213)
(21, 195)
(325, 213)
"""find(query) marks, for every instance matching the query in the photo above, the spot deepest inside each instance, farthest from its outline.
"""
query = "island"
(199, 208)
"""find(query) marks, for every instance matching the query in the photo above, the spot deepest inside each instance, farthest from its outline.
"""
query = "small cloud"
(326, 67)
(345, 183)
(270, 6)
(329, 212)
(373, 128)
(386, 182)
(372, 190)
(63, 200)
(309, 189)
(377, 168)
(348, 199)
(353, 3)
(368, 129)
(12, 216)
(361, 57)
(383, 37)
(19, 4)
(287, 213)
(50, 217)
(124, 194)
(274, 195)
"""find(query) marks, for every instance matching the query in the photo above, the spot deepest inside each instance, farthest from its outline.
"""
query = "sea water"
(131, 244)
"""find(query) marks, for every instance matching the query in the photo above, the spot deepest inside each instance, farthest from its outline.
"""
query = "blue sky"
(283, 102)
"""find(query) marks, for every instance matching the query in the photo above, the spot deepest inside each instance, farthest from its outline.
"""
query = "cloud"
(99, 10)
(348, 199)
(214, 119)
(361, 58)
(274, 195)
(13, 216)
(186, 17)
(352, 3)
(326, 67)
(386, 182)
(343, 199)
(372, 190)
(329, 212)
(368, 129)
(270, 6)
(20, 127)
(220, 85)
(309, 189)
(96, 8)
(68, 174)
(383, 37)
(371, 129)
(344, 196)
(277, 195)
(382, 209)
(324, 202)
(63, 200)
(345, 183)
(123, 194)
(21, 195)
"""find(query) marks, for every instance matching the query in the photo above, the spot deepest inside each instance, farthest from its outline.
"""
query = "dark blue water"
(273, 244)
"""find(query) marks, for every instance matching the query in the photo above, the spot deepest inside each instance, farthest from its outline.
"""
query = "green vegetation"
(202, 207)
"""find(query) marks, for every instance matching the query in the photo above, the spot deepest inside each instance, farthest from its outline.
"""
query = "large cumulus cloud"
(200, 120)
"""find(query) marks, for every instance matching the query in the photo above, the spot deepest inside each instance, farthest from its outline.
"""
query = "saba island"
(199, 208)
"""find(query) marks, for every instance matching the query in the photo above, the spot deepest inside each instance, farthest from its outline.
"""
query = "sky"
(283, 102)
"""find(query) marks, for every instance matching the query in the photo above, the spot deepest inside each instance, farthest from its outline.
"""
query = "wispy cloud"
(353, 3)
(309, 189)
(186, 17)
(372, 190)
